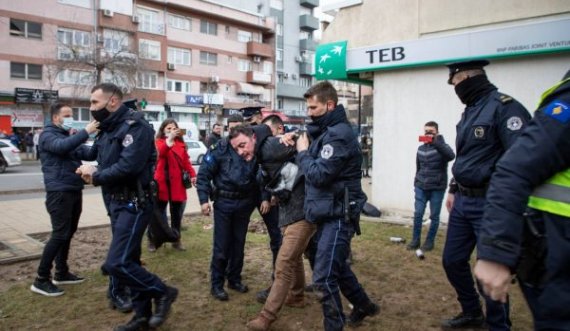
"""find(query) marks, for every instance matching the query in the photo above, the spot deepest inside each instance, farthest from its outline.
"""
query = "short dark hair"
(273, 120)
(109, 88)
(233, 118)
(432, 123)
(55, 109)
(216, 124)
(324, 91)
(244, 129)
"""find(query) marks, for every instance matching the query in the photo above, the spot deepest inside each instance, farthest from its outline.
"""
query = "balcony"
(290, 91)
(309, 3)
(258, 77)
(308, 23)
(259, 49)
(306, 69)
(307, 44)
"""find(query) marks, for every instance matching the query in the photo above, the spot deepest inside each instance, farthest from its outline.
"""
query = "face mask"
(101, 114)
(67, 123)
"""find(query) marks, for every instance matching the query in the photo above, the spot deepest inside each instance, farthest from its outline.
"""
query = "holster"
(531, 269)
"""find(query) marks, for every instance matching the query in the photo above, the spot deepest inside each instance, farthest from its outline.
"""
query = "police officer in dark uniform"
(229, 181)
(333, 200)
(535, 246)
(489, 125)
(126, 156)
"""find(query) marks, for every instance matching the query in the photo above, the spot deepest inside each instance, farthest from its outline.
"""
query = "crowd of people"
(307, 187)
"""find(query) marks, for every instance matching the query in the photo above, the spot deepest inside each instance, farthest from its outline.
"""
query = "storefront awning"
(246, 88)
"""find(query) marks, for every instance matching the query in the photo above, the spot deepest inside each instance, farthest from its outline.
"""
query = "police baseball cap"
(249, 112)
(131, 103)
(466, 65)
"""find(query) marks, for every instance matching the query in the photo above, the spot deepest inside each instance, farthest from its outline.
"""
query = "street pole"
(359, 107)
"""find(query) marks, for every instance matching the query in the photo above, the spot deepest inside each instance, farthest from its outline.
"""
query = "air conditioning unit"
(170, 66)
(298, 58)
(215, 78)
(100, 38)
(257, 59)
(285, 75)
(107, 12)
(136, 19)
(294, 76)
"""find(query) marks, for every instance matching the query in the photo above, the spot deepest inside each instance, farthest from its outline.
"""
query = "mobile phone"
(425, 139)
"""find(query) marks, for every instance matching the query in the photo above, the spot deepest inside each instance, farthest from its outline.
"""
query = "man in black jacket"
(63, 196)
(430, 183)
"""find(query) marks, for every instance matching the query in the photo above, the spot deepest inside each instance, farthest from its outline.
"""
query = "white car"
(196, 150)
(9, 155)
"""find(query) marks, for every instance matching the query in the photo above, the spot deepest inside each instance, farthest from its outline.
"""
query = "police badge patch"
(479, 132)
(327, 151)
(127, 140)
(514, 123)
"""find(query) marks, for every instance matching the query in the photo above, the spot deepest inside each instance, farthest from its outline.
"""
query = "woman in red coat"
(172, 160)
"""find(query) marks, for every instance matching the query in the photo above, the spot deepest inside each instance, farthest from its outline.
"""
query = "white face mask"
(67, 123)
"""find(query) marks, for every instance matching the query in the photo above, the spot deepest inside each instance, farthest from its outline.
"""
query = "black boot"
(465, 321)
(262, 295)
(137, 323)
(163, 305)
(413, 245)
(427, 246)
(359, 313)
(121, 302)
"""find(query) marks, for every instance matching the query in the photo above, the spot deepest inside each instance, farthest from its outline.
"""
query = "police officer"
(489, 125)
(229, 181)
(126, 156)
(536, 247)
(333, 200)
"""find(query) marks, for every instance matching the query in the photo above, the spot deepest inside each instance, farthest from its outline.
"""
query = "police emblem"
(127, 140)
(327, 151)
(514, 123)
(479, 132)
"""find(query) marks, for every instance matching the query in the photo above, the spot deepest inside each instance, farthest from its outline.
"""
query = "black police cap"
(233, 118)
(248, 112)
(131, 103)
(466, 65)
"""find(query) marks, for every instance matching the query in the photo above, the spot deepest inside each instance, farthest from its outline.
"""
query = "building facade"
(195, 61)
(527, 42)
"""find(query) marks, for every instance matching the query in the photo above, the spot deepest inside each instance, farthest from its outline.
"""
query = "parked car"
(196, 150)
(9, 155)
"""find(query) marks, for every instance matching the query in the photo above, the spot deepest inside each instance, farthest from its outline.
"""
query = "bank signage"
(27, 95)
(534, 38)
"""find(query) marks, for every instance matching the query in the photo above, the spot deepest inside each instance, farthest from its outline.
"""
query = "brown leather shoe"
(260, 323)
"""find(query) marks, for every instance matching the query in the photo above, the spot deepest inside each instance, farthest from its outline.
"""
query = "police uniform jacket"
(225, 171)
(541, 151)
(431, 165)
(486, 130)
(332, 163)
(125, 152)
(59, 160)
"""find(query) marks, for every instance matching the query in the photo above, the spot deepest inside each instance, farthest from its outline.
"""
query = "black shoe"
(163, 305)
(46, 287)
(68, 278)
(427, 246)
(262, 295)
(239, 287)
(413, 245)
(310, 288)
(219, 294)
(122, 303)
(465, 320)
(135, 324)
(359, 313)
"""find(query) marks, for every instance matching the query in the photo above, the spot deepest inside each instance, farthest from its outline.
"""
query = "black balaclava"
(473, 88)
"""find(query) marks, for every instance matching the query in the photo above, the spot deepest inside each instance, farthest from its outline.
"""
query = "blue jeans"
(231, 217)
(333, 275)
(435, 198)
(464, 223)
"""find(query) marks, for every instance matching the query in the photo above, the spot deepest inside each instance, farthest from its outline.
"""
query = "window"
(74, 77)
(115, 41)
(279, 29)
(25, 29)
(179, 22)
(279, 55)
(73, 37)
(279, 103)
(208, 58)
(149, 49)
(208, 27)
(25, 70)
(178, 86)
(280, 77)
(150, 21)
(147, 80)
(304, 35)
(305, 81)
(244, 36)
(81, 114)
(267, 67)
(244, 65)
(230, 59)
(179, 56)
(277, 4)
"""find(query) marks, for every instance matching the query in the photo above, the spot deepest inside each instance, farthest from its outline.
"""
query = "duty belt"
(473, 192)
(232, 195)
(127, 196)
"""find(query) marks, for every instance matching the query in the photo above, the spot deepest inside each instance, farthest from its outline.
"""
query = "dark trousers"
(64, 209)
(176, 212)
(550, 303)
(123, 260)
(464, 224)
(231, 217)
(435, 198)
(271, 220)
(333, 275)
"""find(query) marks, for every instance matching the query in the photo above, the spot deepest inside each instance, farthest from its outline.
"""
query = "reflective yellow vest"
(554, 195)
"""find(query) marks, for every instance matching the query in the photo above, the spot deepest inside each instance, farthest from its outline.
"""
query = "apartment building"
(195, 61)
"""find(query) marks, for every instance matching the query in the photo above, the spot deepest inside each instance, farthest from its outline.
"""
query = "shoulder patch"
(327, 151)
(558, 110)
(514, 123)
(128, 140)
(504, 99)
